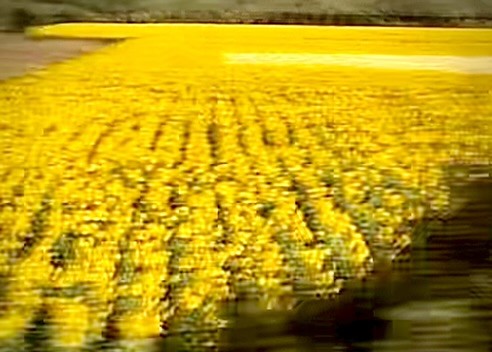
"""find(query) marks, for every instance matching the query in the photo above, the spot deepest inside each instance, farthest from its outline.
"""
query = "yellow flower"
(139, 326)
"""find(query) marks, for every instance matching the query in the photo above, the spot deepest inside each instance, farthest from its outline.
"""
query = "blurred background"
(322, 11)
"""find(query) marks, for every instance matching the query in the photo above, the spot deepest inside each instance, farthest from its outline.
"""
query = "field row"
(146, 183)
(300, 39)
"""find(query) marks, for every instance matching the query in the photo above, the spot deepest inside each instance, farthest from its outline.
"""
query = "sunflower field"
(144, 184)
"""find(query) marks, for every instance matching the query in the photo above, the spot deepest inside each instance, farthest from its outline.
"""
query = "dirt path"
(18, 54)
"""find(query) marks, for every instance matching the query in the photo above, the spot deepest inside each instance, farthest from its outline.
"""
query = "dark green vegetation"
(15, 15)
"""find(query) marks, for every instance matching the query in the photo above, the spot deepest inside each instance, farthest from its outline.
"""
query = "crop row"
(135, 200)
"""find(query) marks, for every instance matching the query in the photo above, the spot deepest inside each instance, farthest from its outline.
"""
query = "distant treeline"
(23, 17)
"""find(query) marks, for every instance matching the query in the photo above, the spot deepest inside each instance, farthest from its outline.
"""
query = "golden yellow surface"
(326, 39)
(153, 166)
